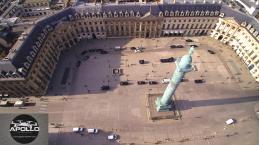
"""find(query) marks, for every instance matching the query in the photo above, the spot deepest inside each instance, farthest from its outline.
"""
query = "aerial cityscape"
(129, 72)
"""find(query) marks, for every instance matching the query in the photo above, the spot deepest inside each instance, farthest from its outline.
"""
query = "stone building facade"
(28, 68)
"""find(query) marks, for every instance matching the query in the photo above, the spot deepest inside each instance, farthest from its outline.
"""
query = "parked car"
(138, 50)
(83, 52)
(164, 60)
(78, 63)
(85, 58)
(92, 130)
(141, 61)
(124, 83)
(152, 83)
(199, 81)
(189, 40)
(133, 48)
(19, 103)
(211, 52)
(194, 45)
(173, 46)
(105, 88)
(165, 81)
(230, 121)
(103, 52)
(141, 82)
(179, 46)
(78, 129)
(112, 137)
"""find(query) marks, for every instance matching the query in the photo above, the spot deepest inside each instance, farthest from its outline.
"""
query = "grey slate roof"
(144, 8)
(19, 57)
(239, 16)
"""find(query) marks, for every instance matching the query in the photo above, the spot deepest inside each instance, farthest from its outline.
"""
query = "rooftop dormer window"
(126, 14)
(182, 13)
(138, 14)
(211, 13)
(110, 14)
(192, 13)
(115, 14)
(121, 14)
(187, 13)
(132, 13)
(197, 13)
(160, 14)
(207, 13)
(177, 13)
(171, 13)
(104, 15)
(166, 13)
(202, 13)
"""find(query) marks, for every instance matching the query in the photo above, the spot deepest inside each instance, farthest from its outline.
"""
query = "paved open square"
(75, 97)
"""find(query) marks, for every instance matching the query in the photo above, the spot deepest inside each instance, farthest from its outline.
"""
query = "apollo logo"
(24, 129)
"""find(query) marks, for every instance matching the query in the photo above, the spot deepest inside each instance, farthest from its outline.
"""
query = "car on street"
(92, 130)
(105, 88)
(141, 82)
(85, 58)
(133, 48)
(103, 52)
(152, 83)
(189, 40)
(78, 129)
(165, 81)
(211, 52)
(141, 61)
(83, 52)
(165, 60)
(124, 83)
(194, 45)
(199, 81)
(78, 63)
(138, 50)
(177, 46)
(112, 137)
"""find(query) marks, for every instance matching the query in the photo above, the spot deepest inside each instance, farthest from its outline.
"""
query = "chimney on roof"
(174, 1)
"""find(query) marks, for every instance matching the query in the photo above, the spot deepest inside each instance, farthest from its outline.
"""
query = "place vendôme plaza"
(28, 67)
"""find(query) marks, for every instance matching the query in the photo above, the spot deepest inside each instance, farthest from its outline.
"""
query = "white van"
(165, 81)
(112, 137)
(19, 103)
(117, 48)
(78, 129)
(93, 130)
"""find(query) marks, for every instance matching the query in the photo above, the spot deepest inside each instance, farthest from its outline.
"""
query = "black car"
(141, 61)
(189, 40)
(98, 50)
(173, 46)
(211, 52)
(105, 88)
(92, 50)
(78, 63)
(141, 82)
(199, 81)
(103, 52)
(179, 46)
(194, 45)
(133, 48)
(83, 52)
(164, 60)
(152, 83)
(124, 83)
